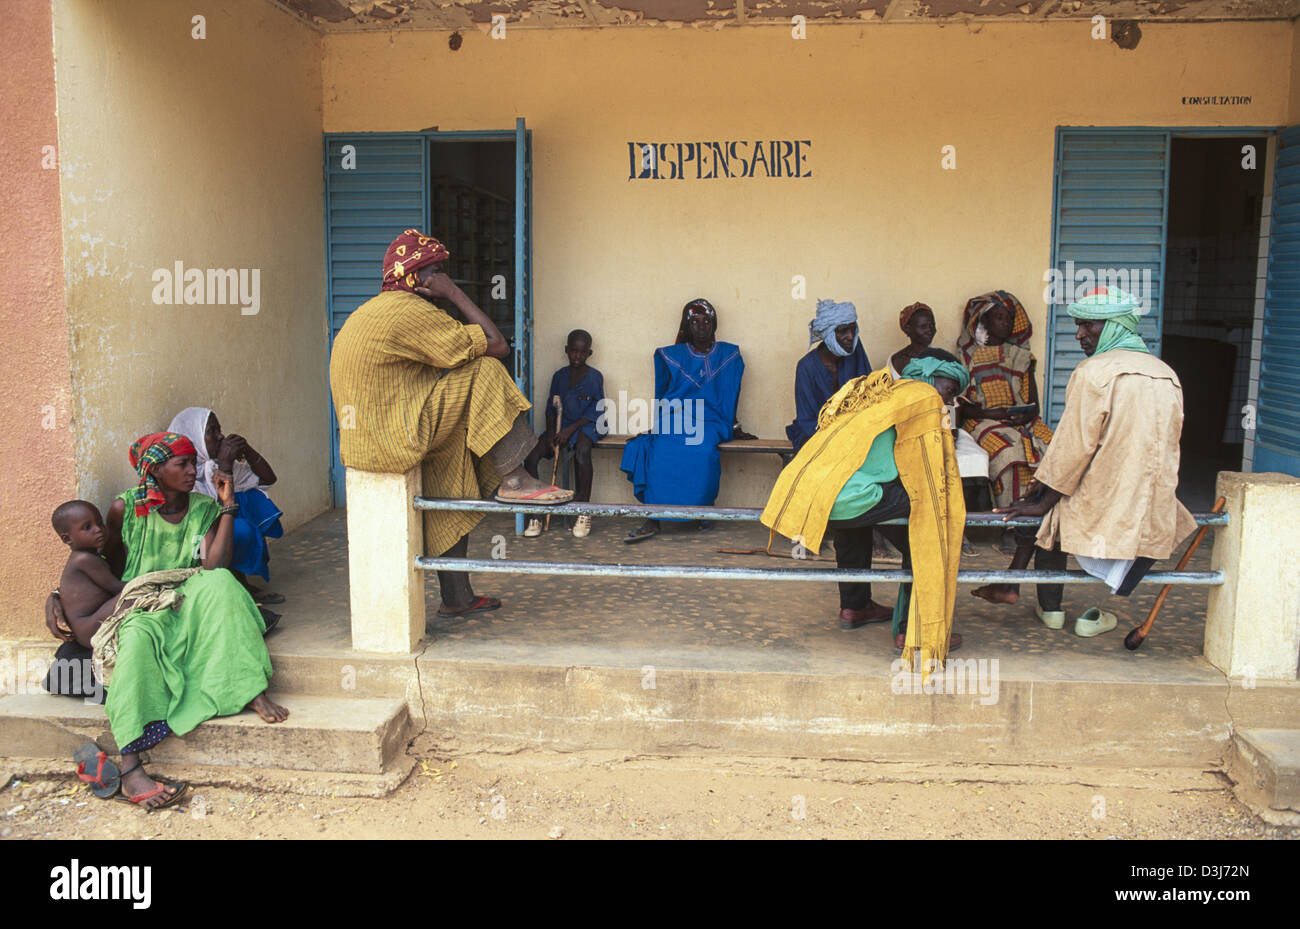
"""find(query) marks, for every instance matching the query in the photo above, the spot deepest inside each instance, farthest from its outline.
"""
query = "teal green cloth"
(1121, 311)
(862, 490)
(927, 369)
(203, 659)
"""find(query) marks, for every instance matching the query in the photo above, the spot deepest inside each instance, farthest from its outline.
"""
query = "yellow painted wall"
(206, 152)
(879, 223)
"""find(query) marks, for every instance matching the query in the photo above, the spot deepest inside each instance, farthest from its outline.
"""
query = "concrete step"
(326, 735)
(298, 670)
(868, 716)
(1265, 768)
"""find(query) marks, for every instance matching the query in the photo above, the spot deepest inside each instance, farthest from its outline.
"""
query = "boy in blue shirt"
(580, 388)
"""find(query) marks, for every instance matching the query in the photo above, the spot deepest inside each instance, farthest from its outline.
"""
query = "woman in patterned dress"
(1000, 409)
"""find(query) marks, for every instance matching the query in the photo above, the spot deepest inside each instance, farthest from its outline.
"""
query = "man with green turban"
(1105, 487)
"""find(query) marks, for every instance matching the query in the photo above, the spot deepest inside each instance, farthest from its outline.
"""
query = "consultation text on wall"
(680, 161)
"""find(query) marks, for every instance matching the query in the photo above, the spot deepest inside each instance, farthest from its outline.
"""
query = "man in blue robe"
(837, 358)
(697, 390)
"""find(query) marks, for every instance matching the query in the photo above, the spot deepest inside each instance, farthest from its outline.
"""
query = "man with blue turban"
(836, 358)
(1105, 486)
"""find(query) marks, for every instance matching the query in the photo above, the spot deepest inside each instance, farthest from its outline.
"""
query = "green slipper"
(1094, 622)
(1052, 619)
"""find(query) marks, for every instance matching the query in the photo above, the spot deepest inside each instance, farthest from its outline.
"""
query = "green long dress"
(186, 665)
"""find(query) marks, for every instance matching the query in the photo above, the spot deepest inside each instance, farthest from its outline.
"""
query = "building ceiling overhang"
(331, 16)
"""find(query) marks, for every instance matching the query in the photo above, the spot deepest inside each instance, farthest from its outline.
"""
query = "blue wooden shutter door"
(1110, 211)
(1277, 425)
(366, 207)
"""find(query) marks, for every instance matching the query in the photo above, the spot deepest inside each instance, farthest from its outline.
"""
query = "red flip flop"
(138, 800)
(532, 497)
(480, 605)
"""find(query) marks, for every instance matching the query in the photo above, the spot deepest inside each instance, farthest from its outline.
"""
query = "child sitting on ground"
(579, 388)
(87, 590)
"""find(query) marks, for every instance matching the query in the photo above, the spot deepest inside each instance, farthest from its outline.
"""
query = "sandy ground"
(456, 793)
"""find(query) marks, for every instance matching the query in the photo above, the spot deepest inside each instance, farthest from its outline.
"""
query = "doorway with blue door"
(471, 190)
(1180, 217)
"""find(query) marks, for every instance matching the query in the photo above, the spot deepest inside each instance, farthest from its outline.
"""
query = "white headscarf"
(192, 422)
(831, 315)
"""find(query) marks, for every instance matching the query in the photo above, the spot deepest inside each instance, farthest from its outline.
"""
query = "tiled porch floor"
(747, 625)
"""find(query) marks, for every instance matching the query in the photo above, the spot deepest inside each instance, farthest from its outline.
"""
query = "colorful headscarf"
(147, 452)
(410, 252)
(1120, 310)
(830, 316)
(696, 306)
(972, 326)
(927, 368)
(905, 315)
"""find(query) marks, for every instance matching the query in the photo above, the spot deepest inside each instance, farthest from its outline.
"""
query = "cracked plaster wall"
(205, 152)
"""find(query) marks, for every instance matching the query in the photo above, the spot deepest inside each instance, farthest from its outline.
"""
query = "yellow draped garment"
(805, 491)
(412, 386)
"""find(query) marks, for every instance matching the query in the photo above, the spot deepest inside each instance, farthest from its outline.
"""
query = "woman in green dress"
(205, 657)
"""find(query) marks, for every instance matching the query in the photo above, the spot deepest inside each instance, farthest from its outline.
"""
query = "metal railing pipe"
(718, 513)
(710, 572)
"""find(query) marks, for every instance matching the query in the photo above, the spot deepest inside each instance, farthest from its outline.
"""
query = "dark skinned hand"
(225, 487)
(741, 434)
(441, 286)
(1038, 499)
(232, 447)
(56, 621)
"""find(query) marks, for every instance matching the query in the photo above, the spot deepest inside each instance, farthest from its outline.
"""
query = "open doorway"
(1209, 302)
(472, 211)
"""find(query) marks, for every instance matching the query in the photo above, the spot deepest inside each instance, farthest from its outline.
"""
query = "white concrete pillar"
(384, 538)
(1252, 627)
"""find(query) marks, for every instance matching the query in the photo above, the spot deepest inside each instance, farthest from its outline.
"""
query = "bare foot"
(997, 593)
(519, 483)
(137, 783)
(270, 712)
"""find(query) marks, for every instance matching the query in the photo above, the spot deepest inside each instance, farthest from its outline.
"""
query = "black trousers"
(853, 542)
(1049, 595)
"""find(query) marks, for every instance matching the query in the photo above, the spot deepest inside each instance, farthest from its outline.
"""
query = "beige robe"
(1114, 457)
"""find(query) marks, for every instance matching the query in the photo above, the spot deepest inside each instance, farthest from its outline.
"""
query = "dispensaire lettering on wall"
(705, 161)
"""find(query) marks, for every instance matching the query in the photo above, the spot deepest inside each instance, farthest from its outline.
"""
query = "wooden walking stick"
(555, 468)
(1133, 641)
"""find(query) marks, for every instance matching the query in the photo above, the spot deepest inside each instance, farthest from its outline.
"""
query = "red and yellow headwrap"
(410, 252)
(905, 315)
(146, 453)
